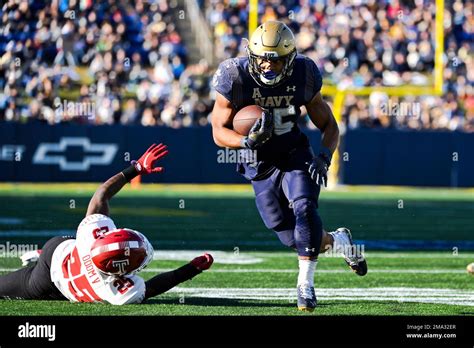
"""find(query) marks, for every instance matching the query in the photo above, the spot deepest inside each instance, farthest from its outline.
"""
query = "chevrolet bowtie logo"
(106, 154)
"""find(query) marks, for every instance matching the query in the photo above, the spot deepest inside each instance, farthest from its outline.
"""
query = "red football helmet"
(121, 251)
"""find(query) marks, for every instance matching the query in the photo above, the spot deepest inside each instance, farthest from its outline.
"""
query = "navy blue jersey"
(233, 80)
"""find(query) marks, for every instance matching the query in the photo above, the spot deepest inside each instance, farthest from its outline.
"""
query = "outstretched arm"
(99, 204)
(168, 280)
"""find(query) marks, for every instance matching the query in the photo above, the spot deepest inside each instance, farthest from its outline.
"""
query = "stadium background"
(385, 66)
(145, 68)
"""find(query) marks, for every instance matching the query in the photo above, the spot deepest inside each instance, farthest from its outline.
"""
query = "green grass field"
(254, 274)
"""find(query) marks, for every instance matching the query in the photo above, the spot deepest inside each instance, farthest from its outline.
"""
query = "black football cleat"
(352, 255)
(306, 298)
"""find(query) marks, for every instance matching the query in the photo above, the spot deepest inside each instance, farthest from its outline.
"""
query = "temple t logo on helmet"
(120, 265)
(271, 41)
(121, 251)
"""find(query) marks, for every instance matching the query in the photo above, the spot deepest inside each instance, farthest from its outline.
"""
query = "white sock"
(339, 242)
(306, 274)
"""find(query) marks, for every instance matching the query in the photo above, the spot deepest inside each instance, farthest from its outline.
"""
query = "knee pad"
(268, 205)
(309, 227)
(304, 207)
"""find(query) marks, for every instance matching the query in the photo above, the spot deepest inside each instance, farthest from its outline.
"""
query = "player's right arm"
(99, 204)
(168, 280)
(221, 119)
(224, 112)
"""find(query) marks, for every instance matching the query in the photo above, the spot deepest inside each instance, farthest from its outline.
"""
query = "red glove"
(145, 164)
(203, 262)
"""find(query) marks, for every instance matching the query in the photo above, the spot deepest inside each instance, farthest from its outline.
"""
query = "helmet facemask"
(270, 78)
(149, 254)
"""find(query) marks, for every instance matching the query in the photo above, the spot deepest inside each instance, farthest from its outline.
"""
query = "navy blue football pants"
(287, 203)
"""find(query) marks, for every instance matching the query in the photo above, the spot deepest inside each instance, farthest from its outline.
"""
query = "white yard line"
(420, 295)
(223, 257)
(381, 294)
(295, 271)
(381, 254)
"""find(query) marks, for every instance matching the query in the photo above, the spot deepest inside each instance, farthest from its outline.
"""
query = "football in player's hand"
(245, 118)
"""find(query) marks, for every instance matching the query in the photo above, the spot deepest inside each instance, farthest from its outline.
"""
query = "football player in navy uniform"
(100, 264)
(286, 175)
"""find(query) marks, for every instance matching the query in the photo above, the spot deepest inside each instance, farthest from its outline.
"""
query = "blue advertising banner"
(414, 158)
(74, 153)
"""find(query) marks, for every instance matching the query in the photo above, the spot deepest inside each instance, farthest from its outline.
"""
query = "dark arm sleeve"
(314, 80)
(165, 281)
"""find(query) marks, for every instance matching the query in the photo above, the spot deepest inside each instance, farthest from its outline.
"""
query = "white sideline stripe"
(368, 253)
(224, 257)
(421, 295)
(295, 271)
(424, 255)
(382, 254)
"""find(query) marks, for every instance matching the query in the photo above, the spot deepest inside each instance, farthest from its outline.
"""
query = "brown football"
(245, 118)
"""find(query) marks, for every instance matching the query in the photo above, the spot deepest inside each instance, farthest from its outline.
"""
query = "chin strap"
(270, 82)
(270, 75)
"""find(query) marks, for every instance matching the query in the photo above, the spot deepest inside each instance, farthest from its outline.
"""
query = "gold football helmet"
(272, 41)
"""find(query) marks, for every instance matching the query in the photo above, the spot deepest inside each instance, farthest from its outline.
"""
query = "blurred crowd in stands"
(128, 59)
(359, 43)
(125, 58)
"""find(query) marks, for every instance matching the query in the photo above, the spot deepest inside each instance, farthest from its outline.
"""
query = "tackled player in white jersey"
(101, 263)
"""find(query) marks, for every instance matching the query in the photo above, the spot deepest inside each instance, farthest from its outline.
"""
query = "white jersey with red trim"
(75, 275)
